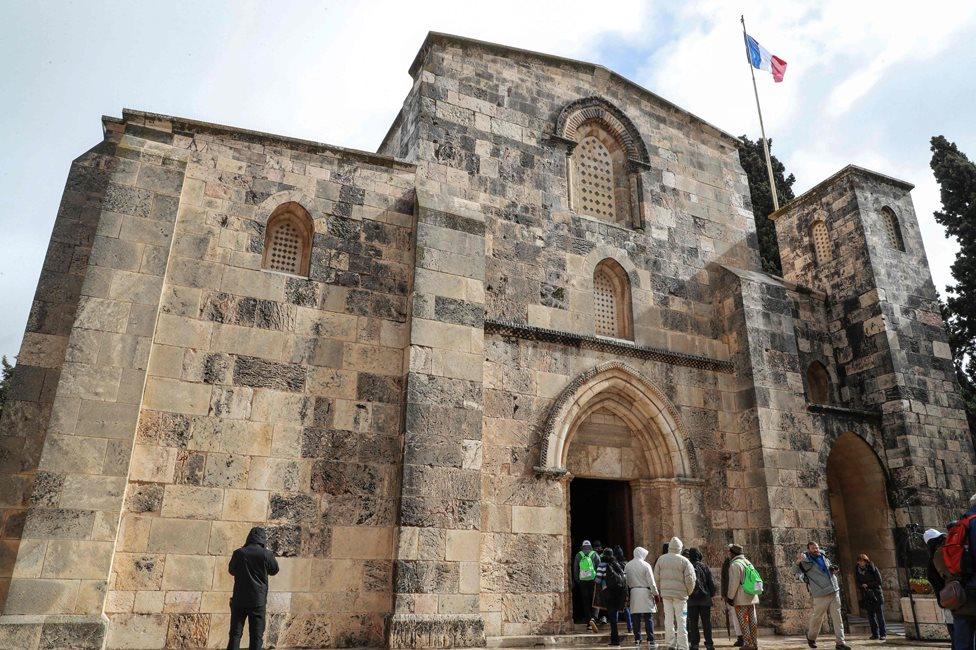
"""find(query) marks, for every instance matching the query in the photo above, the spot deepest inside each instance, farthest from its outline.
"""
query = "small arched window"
(611, 301)
(600, 184)
(818, 384)
(892, 230)
(821, 242)
(288, 240)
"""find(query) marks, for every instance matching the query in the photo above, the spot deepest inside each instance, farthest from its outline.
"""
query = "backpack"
(752, 583)
(955, 551)
(616, 580)
(700, 578)
(587, 572)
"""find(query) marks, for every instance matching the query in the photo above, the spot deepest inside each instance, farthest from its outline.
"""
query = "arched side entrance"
(615, 441)
(862, 518)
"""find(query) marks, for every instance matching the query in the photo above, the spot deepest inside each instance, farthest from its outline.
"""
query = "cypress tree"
(754, 164)
(956, 176)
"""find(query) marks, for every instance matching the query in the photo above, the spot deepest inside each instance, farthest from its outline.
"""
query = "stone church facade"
(536, 314)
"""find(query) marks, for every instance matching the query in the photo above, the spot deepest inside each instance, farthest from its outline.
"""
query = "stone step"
(583, 639)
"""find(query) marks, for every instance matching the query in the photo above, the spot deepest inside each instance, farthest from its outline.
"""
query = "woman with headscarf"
(614, 591)
(643, 591)
(870, 597)
(618, 553)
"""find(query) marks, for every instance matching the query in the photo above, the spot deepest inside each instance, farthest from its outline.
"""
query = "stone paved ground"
(825, 643)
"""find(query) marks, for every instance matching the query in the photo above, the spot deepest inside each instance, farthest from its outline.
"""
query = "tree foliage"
(754, 163)
(6, 372)
(956, 176)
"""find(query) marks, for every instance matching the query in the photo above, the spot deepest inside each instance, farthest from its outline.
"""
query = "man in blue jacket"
(250, 565)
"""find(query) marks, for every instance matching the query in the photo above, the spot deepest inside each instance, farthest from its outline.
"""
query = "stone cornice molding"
(614, 346)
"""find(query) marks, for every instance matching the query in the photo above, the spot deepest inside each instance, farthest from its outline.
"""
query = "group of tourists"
(952, 573)
(681, 585)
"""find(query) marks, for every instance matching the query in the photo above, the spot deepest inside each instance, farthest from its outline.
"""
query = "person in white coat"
(676, 580)
(643, 590)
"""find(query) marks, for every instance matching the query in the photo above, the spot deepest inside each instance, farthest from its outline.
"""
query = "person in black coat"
(870, 597)
(615, 592)
(700, 602)
(250, 565)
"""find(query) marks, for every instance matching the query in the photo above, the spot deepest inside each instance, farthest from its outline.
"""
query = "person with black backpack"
(700, 602)
(614, 591)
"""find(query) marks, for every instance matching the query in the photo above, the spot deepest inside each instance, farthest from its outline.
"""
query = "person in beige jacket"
(675, 582)
(744, 604)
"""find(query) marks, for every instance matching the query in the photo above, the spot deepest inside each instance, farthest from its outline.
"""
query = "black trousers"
(614, 630)
(255, 627)
(701, 613)
(585, 588)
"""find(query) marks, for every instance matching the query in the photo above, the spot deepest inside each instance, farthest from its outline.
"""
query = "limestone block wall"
(118, 214)
(201, 395)
(483, 121)
(526, 515)
(270, 400)
(28, 411)
(437, 582)
(889, 339)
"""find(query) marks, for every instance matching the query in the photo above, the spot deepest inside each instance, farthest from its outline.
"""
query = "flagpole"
(762, 129)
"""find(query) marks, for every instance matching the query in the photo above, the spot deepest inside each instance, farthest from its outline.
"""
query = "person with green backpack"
(584, 579)
(745, 587)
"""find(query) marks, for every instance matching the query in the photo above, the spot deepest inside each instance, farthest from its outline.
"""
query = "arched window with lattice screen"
(821, 242)
(600, 184)
(611, 301)
(818, 384)
(288, 240)
(892, 229)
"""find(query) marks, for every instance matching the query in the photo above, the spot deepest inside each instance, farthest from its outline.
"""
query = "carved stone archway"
(650, 415)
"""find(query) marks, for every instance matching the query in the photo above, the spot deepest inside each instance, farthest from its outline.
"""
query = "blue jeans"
(876, 620)
(963, 633)
(649, 624)
(626, 612)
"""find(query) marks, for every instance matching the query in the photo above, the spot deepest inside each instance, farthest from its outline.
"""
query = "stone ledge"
(829, 409)
(31, 632)
(608, 345)
(435, 631)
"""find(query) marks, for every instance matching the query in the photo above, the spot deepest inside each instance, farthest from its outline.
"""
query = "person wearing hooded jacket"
(250, 565)
(700, 601)
(676, 581)
(643, 590)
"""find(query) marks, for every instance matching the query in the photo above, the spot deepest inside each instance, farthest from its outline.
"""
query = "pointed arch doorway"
(857, 488)
(616, 441)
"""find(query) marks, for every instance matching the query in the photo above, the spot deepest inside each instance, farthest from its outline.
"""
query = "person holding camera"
(820, 576)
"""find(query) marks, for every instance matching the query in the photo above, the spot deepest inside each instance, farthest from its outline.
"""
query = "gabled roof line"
(434, 37)
(170, 123)
(848, 170)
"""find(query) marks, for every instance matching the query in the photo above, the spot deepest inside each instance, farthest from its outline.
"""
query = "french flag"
(761, 59)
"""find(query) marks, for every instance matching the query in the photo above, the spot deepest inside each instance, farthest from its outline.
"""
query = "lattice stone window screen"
(286, 249)
(288, 240)
(604, 304)
(821, 241)
(594, 179)
(891, 229)
(611, 301)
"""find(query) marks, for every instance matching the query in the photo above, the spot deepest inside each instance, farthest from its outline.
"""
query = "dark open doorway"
(600, 510)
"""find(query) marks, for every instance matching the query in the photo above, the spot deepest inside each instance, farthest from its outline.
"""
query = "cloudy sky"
(867, 82)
